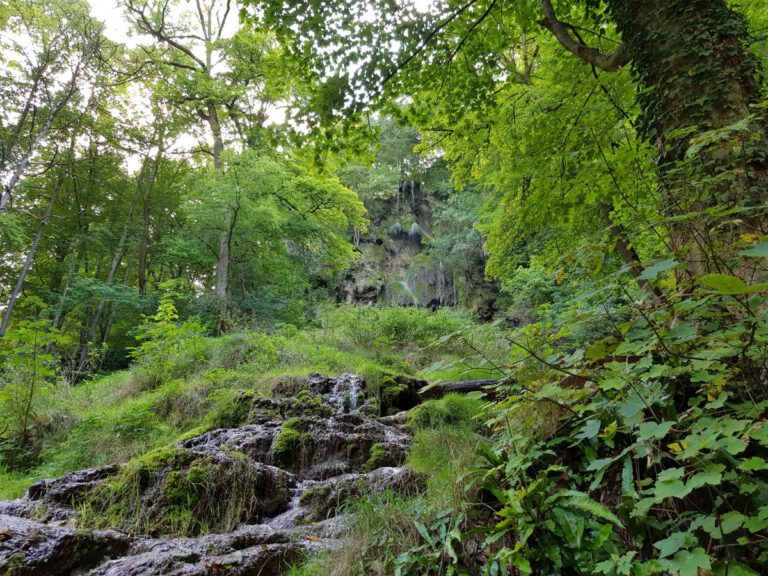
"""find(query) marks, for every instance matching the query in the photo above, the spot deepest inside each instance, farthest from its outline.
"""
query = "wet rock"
(36, 549)
(323, 499)
(249, 550)
(255, 441)
(180, 490)
(22, 508)
(342, 392)
(296, 461)
(306, 445)
(71, 487)
(402, 394)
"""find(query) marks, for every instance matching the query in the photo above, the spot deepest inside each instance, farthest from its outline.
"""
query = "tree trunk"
(21, 168)
(627, 252)
(30, 257)
(696, 74)
(117, 258)
(222, 262)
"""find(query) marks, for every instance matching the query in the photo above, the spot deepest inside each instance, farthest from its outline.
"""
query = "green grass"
(116, 417)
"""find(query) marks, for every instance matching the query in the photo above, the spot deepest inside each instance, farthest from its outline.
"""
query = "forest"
(383, 287)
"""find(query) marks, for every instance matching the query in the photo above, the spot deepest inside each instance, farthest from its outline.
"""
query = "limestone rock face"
(249, 500)
(36, 549)
(323, 499)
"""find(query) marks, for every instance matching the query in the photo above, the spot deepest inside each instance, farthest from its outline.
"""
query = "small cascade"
(293, 513)
(343, 396)
(300, 459)
(408, 290)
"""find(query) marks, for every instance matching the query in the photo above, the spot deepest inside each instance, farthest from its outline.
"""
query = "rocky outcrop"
(247, 500)
(32, 548)
(323, 499)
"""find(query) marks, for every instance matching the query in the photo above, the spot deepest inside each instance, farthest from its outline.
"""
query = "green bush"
(455, 410)
(168, 348)
(232, 350)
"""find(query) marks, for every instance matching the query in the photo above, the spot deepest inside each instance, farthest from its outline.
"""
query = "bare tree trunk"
(21, 168)
(30, 258)
(146, 213)
(222, 262)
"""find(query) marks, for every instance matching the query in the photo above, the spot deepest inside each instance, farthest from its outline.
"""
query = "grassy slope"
(116, 417)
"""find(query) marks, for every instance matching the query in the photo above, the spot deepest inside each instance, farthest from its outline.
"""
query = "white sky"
(116, 27)
(119, 30)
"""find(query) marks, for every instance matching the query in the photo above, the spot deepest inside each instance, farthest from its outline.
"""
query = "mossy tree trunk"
(698, 95)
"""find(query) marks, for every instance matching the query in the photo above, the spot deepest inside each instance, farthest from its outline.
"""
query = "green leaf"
(732, 568)
(688, 563)
(652, 272)
(759, 250)
(590, 430)
(654, 431)
(732, 521)
(670, 545)
(723, 283)
(582, 502)
(712, 476)
(754, 463)
(729, 285)
(423, 531)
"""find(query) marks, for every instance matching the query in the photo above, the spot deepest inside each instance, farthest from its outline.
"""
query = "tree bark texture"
(697, 76)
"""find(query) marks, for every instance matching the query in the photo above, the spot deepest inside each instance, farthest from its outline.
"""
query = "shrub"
(232, 350)
(27, 375)
(168, 348)
(456, 410)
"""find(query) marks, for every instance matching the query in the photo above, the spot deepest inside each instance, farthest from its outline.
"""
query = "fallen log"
(462, 387)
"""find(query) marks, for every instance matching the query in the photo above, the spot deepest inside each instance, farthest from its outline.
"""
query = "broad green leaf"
(712, 476)
(723, 283)
(590, 429)
(688, 563)
(754, 463)
(670, 545)
(653, 271)
(732, 521)
(654, 431)
(759, 250)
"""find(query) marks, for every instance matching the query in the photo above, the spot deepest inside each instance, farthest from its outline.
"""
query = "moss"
(308, 404)
(451, 410)
(290, 443)
(379, 457)
(230, 408)
(176, 491)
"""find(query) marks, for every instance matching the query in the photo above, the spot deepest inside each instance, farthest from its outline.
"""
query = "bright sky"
(118, 29)
(108, 12)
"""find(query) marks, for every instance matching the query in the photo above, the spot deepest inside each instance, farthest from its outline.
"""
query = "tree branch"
(608, 62)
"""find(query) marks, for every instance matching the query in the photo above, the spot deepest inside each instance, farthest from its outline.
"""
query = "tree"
(48, 65)
(720, 134)
(214, 74)
(285, 222)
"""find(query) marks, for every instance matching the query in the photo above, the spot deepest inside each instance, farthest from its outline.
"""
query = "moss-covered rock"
(324, 499)
(291, 445)
(177, 490)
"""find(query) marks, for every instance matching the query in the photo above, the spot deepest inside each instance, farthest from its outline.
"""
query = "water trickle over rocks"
(240, 501)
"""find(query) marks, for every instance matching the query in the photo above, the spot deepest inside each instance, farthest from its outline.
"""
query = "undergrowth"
(207, 385)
